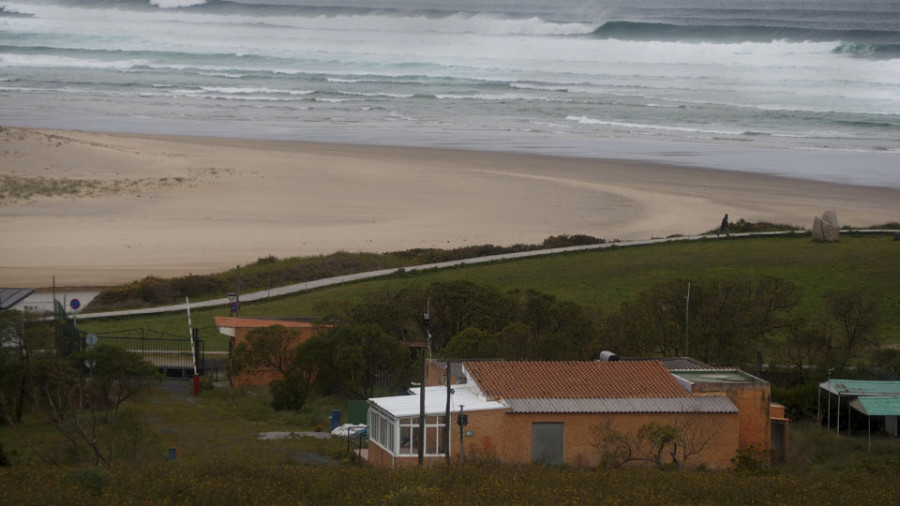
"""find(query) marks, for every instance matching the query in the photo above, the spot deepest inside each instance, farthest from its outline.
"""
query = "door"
(547, 439)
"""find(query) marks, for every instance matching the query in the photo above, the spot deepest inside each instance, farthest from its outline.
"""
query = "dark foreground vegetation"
(220, 459)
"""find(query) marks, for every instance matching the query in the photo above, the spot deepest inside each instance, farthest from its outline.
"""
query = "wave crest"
(176, 4)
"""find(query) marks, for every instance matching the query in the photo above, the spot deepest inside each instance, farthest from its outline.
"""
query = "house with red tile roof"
(574, 413)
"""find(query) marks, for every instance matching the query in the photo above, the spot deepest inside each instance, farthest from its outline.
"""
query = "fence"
(173, 355)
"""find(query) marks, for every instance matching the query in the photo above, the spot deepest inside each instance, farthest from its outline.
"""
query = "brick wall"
(508, 436)
(752, 401)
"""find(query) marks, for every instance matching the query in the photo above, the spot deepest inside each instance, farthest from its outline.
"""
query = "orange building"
(237, 328)
(575, 413)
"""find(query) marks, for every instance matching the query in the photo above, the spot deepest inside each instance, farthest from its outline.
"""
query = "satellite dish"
(91, 339)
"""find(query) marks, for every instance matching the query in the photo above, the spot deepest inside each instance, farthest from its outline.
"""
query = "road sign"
(75, 304)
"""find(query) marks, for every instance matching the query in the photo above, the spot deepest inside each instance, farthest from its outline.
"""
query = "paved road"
(319, 283)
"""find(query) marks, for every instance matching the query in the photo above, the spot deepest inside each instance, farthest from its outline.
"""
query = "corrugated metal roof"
(710, 404)
(877, 406)
(861, 387)
(9, 297)
(402, 406)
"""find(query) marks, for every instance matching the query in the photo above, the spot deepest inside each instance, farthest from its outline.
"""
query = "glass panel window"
(435, 426)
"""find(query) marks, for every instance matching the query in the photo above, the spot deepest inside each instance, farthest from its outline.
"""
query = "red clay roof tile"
(574, 380)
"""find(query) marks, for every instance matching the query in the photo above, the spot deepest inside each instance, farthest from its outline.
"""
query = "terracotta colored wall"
(777, 410)
(508, 436)
(488, 435)
(498, 434)
(378, 456)
(435, 375)
(752, 401)
(580, 435)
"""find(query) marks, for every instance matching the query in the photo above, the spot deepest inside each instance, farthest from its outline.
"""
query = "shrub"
(289, 393)
(752, 459)
(92, 479)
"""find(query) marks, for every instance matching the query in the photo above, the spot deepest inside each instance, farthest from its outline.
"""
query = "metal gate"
(170, 353)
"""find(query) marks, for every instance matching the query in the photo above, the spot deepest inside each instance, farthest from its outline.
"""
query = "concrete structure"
(565, 413)
(237, 328)
(750, 394)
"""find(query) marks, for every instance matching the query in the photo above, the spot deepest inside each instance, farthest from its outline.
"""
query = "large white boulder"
(826, 228)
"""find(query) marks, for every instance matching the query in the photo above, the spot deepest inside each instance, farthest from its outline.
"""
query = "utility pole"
(447, 417)
(427, 321)
(462, 420)
(687, 310)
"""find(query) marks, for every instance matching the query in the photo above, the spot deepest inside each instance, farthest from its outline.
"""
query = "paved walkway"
(336, 280)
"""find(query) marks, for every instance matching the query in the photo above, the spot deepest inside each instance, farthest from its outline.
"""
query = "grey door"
(547, 439)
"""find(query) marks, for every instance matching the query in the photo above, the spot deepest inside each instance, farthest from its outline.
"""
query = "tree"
(24, 337)
(728, 321)
(517, 341)
(354, 360)
(851, 325)
(289, 393)
(271, 348)
(363, 354)
(473, 343)
(78, 400)
(805, 349)
(458, 305)
(114, 374)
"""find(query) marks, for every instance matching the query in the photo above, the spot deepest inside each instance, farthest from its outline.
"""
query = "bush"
(290, 393)
(4, 460)
(91, 479)
(752, 459)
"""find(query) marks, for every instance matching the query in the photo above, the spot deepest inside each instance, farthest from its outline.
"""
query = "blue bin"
(335, 418)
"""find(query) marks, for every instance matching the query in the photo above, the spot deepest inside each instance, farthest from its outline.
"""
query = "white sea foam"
(253, 91)
(477, 69)
(174, 4)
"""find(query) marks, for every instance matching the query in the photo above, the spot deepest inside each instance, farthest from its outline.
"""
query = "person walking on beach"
(723, 227)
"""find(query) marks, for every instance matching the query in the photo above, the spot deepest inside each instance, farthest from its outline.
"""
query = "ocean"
(801, 88)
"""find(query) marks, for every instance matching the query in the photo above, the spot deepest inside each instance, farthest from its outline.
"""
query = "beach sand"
(123, 207)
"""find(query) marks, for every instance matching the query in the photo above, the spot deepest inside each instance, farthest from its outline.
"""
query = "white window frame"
(398, 436)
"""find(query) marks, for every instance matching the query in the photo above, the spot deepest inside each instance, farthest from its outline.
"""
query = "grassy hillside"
(606, 278)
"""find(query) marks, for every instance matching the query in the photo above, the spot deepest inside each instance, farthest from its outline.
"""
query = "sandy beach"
(121, 207)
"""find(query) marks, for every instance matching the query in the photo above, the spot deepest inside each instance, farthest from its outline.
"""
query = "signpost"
(75, 304)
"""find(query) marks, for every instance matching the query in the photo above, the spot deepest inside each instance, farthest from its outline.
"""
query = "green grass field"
(606, 278)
